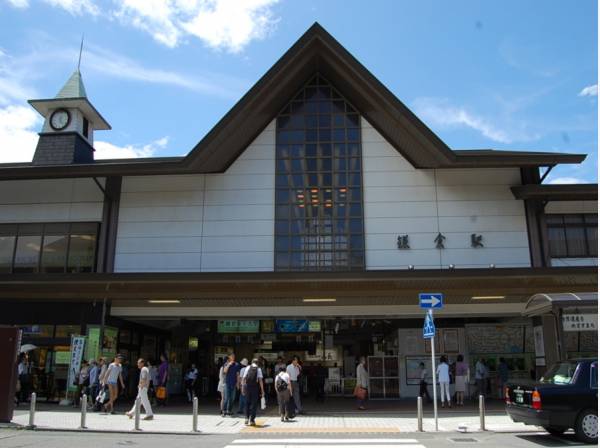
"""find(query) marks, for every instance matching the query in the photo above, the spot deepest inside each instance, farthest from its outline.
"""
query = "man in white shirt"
(190, 382)
(143, 385)
(294, 370)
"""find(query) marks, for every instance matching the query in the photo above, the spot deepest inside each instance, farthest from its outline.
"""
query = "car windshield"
(560, 373)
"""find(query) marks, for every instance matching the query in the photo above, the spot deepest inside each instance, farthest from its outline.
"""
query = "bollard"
(32, 411)
(83, 411)
(420, 414)
(138, 405)
(195, 415)
(482, 412)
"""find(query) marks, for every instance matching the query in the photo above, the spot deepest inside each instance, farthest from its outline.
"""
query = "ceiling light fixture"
(488, 297)
(164, 301)
(319, 299)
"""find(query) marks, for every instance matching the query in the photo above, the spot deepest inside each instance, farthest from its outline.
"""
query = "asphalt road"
(11, 438)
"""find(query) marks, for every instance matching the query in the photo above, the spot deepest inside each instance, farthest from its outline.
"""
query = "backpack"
(252, 375)
(280, 385)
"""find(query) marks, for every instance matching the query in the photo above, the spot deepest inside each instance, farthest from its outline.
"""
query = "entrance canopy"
(544, 303)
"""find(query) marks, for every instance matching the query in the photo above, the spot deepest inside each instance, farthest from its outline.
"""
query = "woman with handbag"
(362, 383)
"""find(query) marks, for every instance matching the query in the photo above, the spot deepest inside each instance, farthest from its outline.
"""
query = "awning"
(544, 303)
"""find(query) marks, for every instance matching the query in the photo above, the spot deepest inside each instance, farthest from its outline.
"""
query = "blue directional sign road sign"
(431, 300)
(428, 327)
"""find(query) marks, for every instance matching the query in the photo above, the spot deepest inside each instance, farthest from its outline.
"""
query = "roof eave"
(556, 192)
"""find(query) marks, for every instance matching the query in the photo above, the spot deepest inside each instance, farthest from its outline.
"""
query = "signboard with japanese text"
(238, 326)
(77, 349)
(580, 322)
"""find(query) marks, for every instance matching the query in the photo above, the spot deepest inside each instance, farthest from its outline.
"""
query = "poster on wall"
(413, 369)
(291, 326)
(77, 350)
(450, 337)
(93, 343)
(109, 345)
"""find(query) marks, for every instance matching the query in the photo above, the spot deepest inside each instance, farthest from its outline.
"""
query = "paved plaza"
(333, 419)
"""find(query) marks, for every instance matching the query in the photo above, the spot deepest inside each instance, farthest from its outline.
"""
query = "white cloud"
(105, 62)
(589, 91)
(19, 3)
(76, 7)
(106, 150)
(18, 133)
(566, 180)
(439, 112)
(231, 25)
(220, 24)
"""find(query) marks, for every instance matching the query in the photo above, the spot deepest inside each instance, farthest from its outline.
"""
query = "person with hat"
(242, 406)
(112, 377)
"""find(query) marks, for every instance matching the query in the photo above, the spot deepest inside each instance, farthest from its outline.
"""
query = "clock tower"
(70, 120)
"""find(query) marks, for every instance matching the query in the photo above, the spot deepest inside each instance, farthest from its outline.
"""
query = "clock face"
(60, 119)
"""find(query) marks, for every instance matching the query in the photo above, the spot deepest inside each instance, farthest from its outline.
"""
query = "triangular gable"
(318, 52)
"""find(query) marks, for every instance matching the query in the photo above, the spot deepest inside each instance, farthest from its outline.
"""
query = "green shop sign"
(238, 326)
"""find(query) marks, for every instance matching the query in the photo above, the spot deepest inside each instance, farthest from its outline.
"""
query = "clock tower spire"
(70, 120)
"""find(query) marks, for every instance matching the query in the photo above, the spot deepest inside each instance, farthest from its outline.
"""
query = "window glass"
(594, 375)
(54, 253)
(38, 331)
(27, 254)
(7, 249)
(560, 373)
(82, 251)
(323, 211)
(572, 235)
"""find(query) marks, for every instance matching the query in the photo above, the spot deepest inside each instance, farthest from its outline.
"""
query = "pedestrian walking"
(163, 378)
(24, 372)
(502, 375)
(142, 394)
(423, 392)
(232, 383)
(242, 404)
(112, 378)
(221, 389)
(253, 389)
(94, 381)
(480, 375)
(294, 370)
(362, 383)
(283, 387)
(461, 380)
(154, 381)
(83, 382)
(191, 376)
(443, 375)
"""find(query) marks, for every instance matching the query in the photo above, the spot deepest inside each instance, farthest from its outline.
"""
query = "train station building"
(306, 222)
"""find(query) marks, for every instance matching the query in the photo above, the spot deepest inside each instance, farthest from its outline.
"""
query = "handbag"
(360, 392)
(263, 403)
(161, 392)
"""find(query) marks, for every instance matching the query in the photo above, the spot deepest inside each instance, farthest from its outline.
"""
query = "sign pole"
(434, 374)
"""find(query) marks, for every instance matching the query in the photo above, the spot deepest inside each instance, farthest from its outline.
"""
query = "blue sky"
(481, 74)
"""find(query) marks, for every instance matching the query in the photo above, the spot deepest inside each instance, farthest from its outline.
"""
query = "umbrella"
(27, 348)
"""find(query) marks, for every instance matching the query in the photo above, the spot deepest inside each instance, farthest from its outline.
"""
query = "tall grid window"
(573, 235)
(318, 198)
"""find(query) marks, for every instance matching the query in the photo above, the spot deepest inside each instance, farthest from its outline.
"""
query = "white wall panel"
(571, 207)
(50, 200)
(215, 222)
(400, 199)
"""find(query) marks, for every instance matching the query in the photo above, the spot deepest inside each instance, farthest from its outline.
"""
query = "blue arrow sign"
(431, 300)
(428, 327)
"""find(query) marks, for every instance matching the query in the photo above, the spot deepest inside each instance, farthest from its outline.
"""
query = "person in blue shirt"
(232, 383)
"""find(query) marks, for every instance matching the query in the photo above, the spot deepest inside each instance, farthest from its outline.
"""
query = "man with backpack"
(283, 386)
(252, 388)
